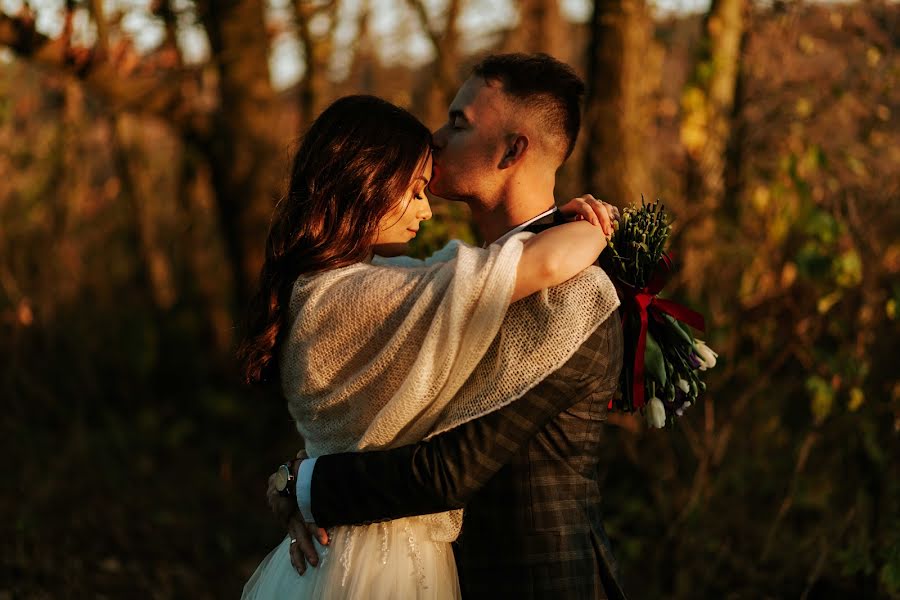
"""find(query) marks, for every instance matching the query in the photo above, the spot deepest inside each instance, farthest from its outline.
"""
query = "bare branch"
(802, 456)
(445, 45)
(96, 9)
(433, 34)
(316, 50)
(113, 75)
(163, 9)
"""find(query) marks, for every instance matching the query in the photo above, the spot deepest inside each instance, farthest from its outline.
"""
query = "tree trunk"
(96, 9)
(316, 53)
(445, 41)
(618, 110)
(163, 9)
(154, 266)
(541, 28)
(708, 109)
(239, 149)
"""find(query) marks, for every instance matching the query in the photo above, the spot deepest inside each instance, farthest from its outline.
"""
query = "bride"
(375, 350)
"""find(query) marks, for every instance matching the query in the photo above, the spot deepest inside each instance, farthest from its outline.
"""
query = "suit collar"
(541, 221)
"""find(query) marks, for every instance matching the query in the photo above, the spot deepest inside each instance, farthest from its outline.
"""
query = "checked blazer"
(525, 474)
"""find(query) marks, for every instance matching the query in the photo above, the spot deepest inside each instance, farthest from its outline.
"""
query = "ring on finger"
(293, 541)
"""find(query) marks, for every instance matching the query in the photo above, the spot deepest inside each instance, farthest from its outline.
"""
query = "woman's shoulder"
(445, 254)
(330, 274)
(365, 276)
(311, 285)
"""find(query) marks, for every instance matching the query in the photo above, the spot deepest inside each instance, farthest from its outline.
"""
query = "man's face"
(469, 147)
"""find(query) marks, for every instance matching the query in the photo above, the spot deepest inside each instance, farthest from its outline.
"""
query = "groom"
(526, 474)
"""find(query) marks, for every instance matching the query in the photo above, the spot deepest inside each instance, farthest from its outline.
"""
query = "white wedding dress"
(393, 559)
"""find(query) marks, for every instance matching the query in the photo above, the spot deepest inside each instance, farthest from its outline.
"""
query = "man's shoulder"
(598, 355)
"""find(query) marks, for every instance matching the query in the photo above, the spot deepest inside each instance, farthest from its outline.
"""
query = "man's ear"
(516, 147)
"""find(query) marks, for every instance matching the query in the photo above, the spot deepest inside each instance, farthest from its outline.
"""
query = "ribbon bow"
(646, 300)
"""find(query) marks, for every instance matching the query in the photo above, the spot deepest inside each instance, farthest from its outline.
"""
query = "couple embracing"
(451, 407)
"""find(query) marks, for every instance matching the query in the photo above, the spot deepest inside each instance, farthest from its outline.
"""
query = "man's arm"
(444, 472)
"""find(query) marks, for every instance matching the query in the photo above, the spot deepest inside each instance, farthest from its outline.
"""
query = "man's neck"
(495, 222)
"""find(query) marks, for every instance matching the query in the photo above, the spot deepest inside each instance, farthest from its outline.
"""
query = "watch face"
(281, 478)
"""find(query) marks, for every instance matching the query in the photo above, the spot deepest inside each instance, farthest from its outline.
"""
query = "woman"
(376, 352)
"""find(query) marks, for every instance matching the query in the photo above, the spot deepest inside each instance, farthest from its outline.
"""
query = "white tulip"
(705, 354)
(655, 413)
(683, 385)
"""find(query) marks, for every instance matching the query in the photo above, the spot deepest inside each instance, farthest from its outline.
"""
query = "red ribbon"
(646, 300)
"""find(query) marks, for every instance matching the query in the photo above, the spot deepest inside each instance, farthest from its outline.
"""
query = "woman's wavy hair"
(353, 166)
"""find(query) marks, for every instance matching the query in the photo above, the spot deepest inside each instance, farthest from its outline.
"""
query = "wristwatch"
(284, 480)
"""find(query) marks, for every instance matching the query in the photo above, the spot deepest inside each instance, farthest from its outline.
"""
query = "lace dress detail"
(394, 559)
(384, 544)
(346, 555)
(416, 555)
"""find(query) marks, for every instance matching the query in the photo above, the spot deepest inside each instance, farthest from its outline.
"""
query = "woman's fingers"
(596, 212)
(587, 211)
(605, 218)
(601, 212)
(579, 210)
(613, 211)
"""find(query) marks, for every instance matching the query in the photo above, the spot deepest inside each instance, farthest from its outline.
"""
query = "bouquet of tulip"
(663, 360)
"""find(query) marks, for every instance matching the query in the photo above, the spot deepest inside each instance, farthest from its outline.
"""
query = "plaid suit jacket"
(535, 529)
(525, 474)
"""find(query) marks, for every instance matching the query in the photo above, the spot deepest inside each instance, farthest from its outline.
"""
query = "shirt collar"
(520, 228)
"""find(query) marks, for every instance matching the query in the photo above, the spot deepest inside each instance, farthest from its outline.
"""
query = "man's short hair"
(545, 85)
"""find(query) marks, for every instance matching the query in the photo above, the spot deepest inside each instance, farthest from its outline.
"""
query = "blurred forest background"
(144, 143)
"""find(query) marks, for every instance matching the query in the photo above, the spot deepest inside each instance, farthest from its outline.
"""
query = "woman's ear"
(516, 147)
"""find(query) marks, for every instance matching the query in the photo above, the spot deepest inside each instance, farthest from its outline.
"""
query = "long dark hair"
(354, 165)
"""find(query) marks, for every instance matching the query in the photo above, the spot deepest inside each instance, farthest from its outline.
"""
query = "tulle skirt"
(394, 559)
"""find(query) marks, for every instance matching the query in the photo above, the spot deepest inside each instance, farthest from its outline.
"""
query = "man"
(526, 474)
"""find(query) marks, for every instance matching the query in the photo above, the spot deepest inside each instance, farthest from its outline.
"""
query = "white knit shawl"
(386, 353)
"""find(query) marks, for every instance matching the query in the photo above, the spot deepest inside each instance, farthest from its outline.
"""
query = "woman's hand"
(596, 212)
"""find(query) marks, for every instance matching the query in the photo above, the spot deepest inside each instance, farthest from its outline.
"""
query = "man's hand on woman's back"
(288, 514)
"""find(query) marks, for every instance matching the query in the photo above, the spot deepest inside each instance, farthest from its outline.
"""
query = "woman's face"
(400, 225)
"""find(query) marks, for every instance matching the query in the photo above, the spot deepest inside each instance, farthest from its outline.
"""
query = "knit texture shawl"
(387, 353)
